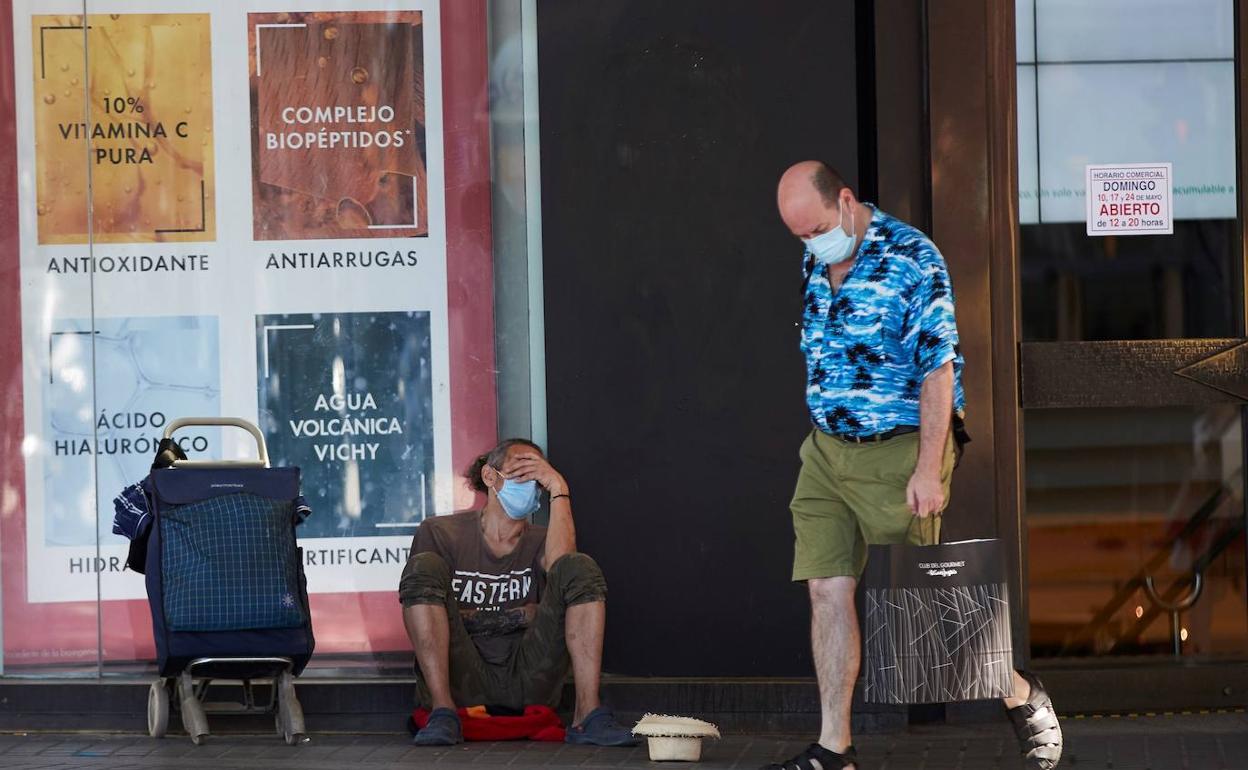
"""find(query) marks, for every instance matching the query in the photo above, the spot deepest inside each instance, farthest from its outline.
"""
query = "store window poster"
(348, 398)
(338, 119)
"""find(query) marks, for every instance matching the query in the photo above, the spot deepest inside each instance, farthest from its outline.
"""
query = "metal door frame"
(949, 67)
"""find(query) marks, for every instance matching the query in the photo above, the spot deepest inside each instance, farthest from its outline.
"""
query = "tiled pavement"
(1191, 742)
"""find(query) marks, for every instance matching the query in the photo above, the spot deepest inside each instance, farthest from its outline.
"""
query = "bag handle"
(933, 531)
(261, 461)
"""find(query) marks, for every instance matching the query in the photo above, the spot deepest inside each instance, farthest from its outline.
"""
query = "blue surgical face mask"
(518, 498)
(835, 245)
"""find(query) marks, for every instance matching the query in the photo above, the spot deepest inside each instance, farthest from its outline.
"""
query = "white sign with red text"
(1130, 199)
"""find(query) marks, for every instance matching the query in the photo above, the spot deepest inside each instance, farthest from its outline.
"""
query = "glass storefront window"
(321, 221)
(1107, 83)
(1118, 497)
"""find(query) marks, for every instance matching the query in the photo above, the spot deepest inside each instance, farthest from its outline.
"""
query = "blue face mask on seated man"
(519, 498)
(835, 245)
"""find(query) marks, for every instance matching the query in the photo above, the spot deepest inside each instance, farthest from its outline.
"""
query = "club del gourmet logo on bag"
(941, 568)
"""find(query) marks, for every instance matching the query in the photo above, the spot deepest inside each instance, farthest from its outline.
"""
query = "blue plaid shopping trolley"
(226, 586)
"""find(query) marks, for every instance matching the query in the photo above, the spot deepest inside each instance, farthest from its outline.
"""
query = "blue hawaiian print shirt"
(870, 345)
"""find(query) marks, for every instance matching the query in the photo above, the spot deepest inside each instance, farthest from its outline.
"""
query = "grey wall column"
(519, 335)
(517, 220)
(511, 279)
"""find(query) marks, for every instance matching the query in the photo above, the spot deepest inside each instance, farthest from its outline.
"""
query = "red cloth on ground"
(539, 723)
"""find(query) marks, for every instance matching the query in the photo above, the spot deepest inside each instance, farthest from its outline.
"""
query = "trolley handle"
(262, 460)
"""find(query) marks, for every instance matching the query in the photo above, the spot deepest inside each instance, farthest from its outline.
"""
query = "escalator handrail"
(1128, 589)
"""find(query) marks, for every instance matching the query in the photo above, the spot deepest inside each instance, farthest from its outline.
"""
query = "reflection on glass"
(49, 566)
(1028, 167)
(1120, 288)
(1116, 496)
(356, 212)
(1129, 30)
(1112, 86)
(1181, 112)
(1025, 30)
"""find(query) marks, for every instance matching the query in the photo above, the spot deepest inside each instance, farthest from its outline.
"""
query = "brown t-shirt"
(497, 596)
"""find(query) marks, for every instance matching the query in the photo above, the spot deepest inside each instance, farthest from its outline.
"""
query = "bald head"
(810, 198)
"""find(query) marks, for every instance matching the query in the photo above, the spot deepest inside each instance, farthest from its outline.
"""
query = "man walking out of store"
(883, 386)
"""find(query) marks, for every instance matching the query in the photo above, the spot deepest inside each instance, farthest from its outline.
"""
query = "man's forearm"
(560, 531)
(935, 417)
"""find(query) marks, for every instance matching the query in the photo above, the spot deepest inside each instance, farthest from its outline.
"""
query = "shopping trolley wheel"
(158, 709)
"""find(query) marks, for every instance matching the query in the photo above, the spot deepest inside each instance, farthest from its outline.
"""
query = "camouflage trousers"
(538, 666)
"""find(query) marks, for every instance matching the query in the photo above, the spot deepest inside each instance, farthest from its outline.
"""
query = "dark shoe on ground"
(1035, 723)
(599, 728)
(828, 760)
(442, 729)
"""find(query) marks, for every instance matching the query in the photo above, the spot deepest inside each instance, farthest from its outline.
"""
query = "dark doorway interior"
(675, 385)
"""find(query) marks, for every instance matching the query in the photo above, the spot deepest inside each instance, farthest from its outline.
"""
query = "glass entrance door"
(1134, 360)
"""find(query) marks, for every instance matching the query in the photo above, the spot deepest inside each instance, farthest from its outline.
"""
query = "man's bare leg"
(1022, 691)
(430, 632)
(584, 628)
(835, 642)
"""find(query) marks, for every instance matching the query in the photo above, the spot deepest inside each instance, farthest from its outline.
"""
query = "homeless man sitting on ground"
(498, 608)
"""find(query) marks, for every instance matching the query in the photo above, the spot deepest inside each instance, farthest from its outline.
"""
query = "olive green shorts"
(849, 496)
(539, 661)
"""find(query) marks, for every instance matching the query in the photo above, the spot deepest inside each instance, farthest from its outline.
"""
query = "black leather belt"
(876, 438)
